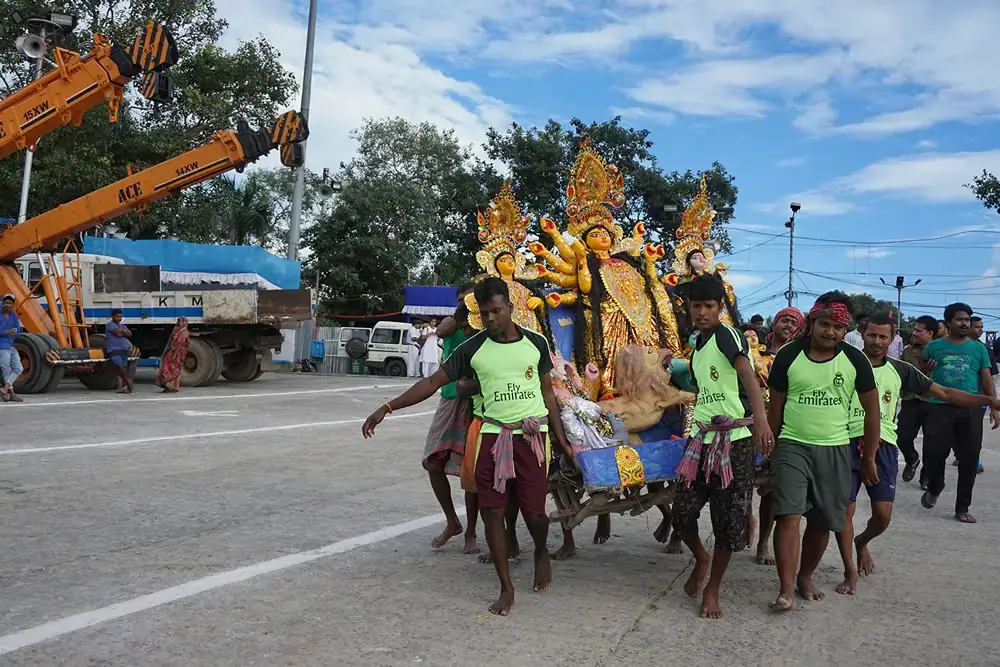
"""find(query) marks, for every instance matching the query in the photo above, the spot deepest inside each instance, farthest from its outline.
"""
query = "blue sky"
(871, 115)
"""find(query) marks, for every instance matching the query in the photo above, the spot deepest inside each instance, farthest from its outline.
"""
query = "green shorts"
(814, 480)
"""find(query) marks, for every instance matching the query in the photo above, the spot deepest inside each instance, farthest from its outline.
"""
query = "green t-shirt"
(818, 393)
(509, 375)
(893, 378)
(957, 364)
(719, 389)
(448, 345)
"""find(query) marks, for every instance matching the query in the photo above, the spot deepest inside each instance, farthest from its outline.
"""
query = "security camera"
(795, 206)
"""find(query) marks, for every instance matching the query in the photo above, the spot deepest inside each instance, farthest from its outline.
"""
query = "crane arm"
(80, 83)
(225, 151)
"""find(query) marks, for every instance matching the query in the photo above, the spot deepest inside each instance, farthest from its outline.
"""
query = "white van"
(388, 347)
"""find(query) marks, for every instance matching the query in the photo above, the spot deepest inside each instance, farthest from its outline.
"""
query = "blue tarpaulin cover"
(183, 257)
(439, 300)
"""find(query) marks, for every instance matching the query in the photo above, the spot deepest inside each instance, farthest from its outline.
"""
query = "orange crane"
(80, 83)
(57, 335)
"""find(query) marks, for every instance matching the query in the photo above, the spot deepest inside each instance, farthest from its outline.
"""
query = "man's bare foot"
(764, 556)
(450, 531)
(543, 571)
(783, 603)
(603, 531)
(470, 546)
(674, 546)
(662, 532)
(696, 582)
(866, 564)
(710, 605)
(807, 589)
(566, 551)
(504, 603)
(849, 585)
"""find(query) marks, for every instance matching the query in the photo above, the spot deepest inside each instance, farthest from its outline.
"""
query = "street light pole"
(796, 207)
(29, 155)
(300, 172)
(900, 286)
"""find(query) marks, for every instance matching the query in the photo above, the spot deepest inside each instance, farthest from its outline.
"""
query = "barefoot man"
(718, 464)
(519, 406)
(892, 377)
(812, 381)
(788, 323)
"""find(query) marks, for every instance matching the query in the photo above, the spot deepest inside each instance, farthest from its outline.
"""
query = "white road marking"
(196, 396)
(219, 413)
(63, 626)
(210, 434)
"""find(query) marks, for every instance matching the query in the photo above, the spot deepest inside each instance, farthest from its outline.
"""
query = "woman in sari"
(172, 361)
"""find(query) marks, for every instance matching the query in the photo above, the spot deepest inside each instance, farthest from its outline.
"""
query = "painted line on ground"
(63, 626)
(210, 434)
(198, 397)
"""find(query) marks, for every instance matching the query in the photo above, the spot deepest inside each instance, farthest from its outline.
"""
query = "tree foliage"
(986, 187)
(213, 89)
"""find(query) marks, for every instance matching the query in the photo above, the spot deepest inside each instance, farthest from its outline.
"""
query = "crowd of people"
(841, 404)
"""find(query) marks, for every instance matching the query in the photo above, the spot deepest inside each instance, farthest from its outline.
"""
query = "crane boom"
(226, 150)
(80, 83)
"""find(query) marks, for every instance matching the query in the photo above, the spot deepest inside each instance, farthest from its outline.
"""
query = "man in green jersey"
(718, 464)
(812, 381)
(892, 377)
(513, 367)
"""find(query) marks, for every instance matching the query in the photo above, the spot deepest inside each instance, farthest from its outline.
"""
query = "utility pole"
(796, 207)
(900, 286)
(300, 172)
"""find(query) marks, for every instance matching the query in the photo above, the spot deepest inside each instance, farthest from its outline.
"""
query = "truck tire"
(395, 368)
(241, 366)
(103, 377)
(203, 363)
(356, 348)
(37, 374)
(58, 372)
(257, 373)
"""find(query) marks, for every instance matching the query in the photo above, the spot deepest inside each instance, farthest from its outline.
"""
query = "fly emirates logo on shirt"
(514, 392)
(819, 399)
(709, 397)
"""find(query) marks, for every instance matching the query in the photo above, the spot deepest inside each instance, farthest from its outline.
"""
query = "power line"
(873, 243)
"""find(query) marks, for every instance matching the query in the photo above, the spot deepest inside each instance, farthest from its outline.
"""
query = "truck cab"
(388, 347)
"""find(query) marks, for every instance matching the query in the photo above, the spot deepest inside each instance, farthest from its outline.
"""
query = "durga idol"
(611, 279)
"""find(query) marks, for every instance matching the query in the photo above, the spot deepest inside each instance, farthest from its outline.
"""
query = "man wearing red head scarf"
(812, 382)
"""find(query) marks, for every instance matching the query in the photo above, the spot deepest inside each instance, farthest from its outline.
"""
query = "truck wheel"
(257, 373)
(395, 368)
(241, 366)
(103, 377)
(31, 348)
(202, 364)
(58, 372)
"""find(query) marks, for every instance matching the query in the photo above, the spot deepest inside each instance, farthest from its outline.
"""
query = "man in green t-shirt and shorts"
(513, 367)
(812, 381)
(892, 378)
(718, 465)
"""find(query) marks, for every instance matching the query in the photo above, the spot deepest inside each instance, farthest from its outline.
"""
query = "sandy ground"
(251, 525)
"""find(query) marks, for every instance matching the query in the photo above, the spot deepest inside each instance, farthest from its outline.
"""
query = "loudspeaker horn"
(31, 46)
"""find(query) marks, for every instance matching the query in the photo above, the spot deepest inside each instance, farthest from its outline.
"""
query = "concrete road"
(251, 525)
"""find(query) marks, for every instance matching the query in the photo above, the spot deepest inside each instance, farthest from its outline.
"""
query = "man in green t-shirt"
(513, 367)
(812, 381)
(958, 362)
(892, 378)
(718, 464)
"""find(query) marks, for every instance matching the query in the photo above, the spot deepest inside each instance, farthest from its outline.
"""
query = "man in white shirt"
(896, 347)
(413, 352)
(856, 337)
(430, 354)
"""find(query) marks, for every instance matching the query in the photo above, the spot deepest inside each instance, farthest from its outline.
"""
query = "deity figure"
(611, 279)
(692, 257)
(502, 231)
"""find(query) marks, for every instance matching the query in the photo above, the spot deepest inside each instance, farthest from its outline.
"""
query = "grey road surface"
(250, 524)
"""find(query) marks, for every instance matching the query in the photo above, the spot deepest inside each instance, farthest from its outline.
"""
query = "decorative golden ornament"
(694, 231)
(594, 186)
(503, 230)
(630, 467)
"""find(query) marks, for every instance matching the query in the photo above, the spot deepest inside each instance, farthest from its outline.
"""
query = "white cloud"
(814, 202)
(358, 77)
(640, 113)
(932, 177)
(926, 144)
(791, 162)
(867, 253)
(743, 281)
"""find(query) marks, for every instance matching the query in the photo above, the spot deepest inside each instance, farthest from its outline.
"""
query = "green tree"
(986, 187)
(213, 89)
(539, 161)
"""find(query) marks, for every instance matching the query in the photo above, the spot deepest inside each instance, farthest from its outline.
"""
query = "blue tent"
(430, 301)
(213, 262)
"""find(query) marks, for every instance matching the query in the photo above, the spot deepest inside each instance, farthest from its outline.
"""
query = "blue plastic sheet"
(201, 258)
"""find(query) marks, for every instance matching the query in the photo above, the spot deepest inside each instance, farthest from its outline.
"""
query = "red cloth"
(835, 311)
(172, 361)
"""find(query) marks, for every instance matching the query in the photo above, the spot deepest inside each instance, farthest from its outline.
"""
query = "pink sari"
(172, 361)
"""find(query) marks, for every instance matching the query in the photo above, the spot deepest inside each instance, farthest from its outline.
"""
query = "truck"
(234, 329)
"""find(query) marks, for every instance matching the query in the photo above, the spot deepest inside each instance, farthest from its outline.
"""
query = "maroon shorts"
(530, 484)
